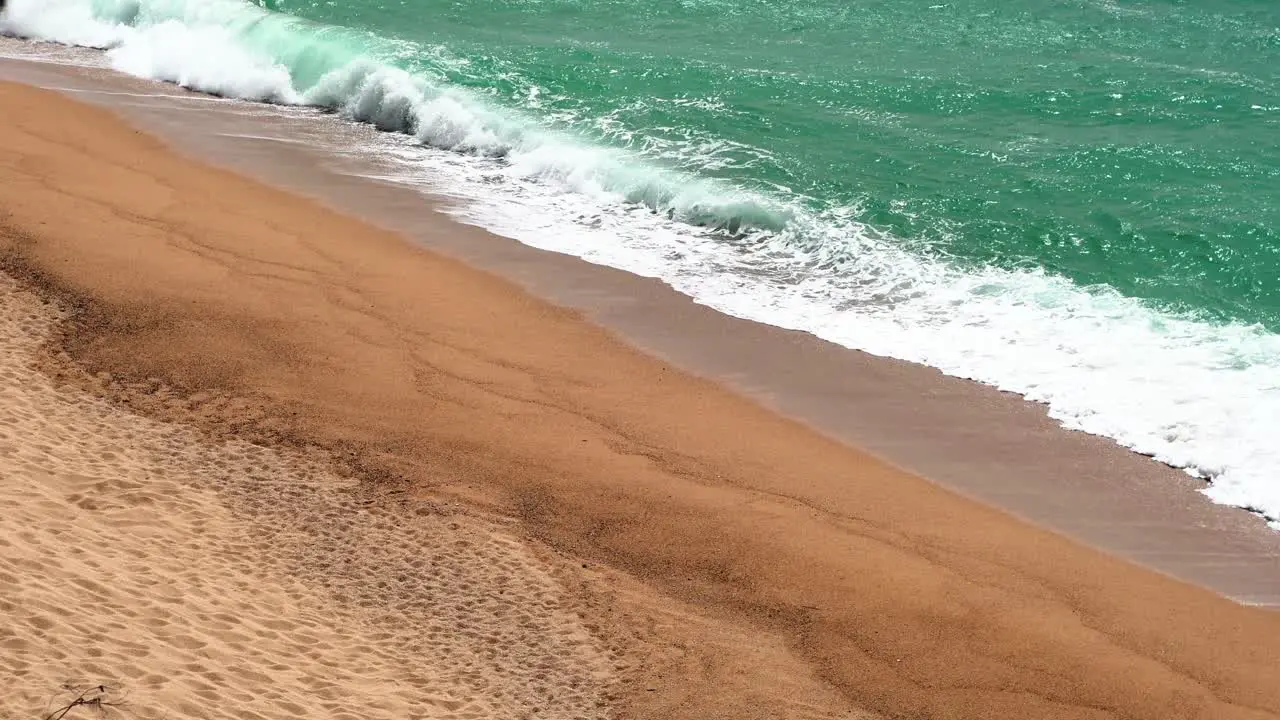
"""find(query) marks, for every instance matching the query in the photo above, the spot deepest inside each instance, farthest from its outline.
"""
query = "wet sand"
(737, 563)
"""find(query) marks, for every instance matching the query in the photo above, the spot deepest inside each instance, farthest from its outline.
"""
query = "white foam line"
(186, 97)
(265, 138)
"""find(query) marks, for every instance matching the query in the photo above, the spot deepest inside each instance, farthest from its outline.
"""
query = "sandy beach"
(265, 460)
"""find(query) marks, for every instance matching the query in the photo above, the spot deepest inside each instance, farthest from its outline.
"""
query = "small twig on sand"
(95, 697)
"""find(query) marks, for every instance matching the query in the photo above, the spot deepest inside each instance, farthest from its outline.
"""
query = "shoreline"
(968, 437)
(902, 596)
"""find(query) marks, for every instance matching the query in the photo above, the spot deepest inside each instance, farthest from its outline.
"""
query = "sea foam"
(1197, 395)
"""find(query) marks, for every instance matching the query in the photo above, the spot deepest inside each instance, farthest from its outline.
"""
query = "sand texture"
(224, 580)
(712, 558)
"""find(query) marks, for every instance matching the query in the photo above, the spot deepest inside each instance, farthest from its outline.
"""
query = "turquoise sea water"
(1075, 200)
(1132, 144)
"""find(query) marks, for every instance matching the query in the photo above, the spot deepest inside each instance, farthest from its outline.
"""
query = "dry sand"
(673, 549)
(224, 580)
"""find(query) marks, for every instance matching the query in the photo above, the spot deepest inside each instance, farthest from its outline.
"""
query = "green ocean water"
(1132, 144)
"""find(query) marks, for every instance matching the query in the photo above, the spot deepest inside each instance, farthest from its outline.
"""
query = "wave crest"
(236, 49)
